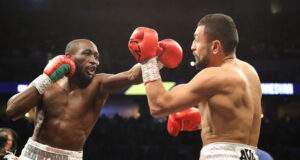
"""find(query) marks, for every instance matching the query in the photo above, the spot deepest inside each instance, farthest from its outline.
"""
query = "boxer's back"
(65, 119)
(233, 114)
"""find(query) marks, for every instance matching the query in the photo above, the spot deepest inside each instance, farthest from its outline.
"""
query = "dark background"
(34, 31)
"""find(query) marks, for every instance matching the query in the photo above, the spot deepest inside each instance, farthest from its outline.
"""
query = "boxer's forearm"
(156, 95)
(22, 102)
(135, 74)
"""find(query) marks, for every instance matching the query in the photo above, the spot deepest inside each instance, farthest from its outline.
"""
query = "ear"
(216, 46)
(68, 55)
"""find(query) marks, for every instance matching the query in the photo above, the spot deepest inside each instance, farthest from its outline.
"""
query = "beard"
(203, 63)
(83, 75)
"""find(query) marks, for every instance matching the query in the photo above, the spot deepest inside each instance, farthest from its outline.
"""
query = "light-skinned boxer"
(226, 90)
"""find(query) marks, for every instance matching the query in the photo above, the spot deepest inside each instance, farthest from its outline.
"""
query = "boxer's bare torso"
(227, 90)
(233, 114)
(228, 97)
(64, 119)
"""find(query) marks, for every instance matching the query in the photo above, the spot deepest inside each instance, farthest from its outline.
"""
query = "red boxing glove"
(60, 66)
(56, 69)
(171, 54)
(143, 44)
(188, 120)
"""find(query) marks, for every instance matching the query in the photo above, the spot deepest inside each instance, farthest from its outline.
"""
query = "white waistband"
(35, 149)
(228, 151)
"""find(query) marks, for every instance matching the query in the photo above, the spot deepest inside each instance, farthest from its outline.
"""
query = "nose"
(193, 48)
(93, 60)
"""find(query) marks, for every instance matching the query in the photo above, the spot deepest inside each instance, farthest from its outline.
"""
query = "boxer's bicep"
(204, 85)
(163, 102)
(21, 103)
(182, 97)
(113, 83)
(190, 94)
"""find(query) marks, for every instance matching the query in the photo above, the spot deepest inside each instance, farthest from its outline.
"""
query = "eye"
(87, 52)
(195, 39)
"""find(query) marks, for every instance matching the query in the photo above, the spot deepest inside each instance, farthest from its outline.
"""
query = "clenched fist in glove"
(188, 120)
(144, 46)
(56, 69)
(170, 54)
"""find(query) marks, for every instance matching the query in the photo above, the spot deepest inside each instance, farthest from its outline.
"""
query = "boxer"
(226, 90)
(68, 98)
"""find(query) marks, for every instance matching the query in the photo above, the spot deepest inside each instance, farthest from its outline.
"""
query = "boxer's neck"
(217, 60)
(70, 84)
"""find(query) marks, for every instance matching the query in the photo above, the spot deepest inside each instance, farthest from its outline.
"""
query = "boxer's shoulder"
(218, 80)
(217, 75)
(100, 77)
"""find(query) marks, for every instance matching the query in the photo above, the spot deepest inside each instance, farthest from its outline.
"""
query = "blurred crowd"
(8, 143)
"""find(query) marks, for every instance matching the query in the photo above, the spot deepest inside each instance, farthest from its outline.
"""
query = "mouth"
(91, 70)
(195, 56)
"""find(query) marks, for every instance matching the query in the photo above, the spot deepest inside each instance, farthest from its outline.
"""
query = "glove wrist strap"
(150, 70)
(160, 65)
(42, 83)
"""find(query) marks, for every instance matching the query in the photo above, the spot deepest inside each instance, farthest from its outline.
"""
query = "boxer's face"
(86, 59)
(201, 48)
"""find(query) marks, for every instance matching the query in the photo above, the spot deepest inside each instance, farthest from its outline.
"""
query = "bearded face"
(84, 74)
(203, 62)
(201, 48)
(85, 55)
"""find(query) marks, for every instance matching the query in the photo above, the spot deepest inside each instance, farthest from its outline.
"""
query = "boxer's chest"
(59, 102)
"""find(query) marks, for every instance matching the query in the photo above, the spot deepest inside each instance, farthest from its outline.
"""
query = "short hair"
(221, 27)
(73, 45)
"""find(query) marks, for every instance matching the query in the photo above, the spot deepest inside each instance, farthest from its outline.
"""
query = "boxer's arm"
(118, 82)
(204, 85)
(57, 68)
(21, 103)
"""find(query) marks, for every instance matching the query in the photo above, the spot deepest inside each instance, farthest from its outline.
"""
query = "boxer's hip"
(228, 151)
(34, 150)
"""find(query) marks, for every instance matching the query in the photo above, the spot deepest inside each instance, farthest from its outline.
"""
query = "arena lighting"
(140, 89)
(277, 88)
(267, 88)
(22, 87)
(132, 90)
(192, 63)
